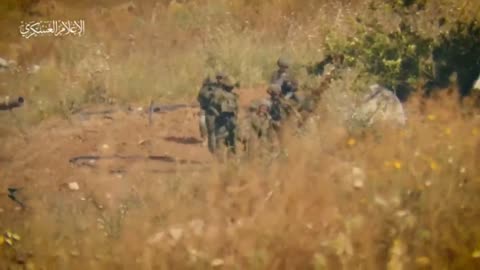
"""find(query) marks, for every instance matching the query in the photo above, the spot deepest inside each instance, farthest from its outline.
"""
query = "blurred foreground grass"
(386, 199)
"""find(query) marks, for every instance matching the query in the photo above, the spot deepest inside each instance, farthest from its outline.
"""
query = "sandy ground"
(41, 160)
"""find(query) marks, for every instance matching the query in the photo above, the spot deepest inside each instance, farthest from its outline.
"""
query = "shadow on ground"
(183, 140)
(90, 160)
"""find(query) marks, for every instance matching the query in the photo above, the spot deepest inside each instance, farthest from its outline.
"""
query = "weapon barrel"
(12, 104)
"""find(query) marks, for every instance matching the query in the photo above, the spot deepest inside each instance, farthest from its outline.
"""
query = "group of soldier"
(219, 116)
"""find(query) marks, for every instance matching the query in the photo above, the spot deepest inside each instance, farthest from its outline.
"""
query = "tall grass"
(386, 199)
(134, 52)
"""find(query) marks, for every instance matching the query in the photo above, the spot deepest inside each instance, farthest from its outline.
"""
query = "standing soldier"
(280, 109)
(283, 78)
(207, 117)
(224, 105)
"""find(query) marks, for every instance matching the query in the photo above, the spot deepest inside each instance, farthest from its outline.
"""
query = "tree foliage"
(404, 58)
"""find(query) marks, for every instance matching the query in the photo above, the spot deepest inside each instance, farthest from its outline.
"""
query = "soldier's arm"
(213, 110)
(236, 104)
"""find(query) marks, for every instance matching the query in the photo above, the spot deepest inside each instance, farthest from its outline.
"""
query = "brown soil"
(128, 146)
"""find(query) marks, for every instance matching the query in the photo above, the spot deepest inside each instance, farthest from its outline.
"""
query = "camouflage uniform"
(285, 80)
(262, 131)
(280, 109)
(207, 117)
(224, 104)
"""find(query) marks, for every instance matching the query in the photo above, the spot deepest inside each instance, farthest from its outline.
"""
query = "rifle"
(8, 106)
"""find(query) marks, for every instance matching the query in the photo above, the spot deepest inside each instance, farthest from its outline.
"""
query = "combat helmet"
(283, 62)
(220, 75)
(227, 82)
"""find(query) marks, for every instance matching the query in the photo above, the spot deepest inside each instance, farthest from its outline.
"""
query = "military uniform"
(207, 117)
(261, 123)
(285, 80)
(224, 105)
(280, 110)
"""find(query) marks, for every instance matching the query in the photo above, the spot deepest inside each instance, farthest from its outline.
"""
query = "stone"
(217, 262)
(73, 186)
(379, 105)
(3, 63)
(358, 184)
(175, 233)
(358, 177)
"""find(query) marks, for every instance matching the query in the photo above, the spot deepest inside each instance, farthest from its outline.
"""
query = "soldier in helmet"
(224, 105)
(281, 109)
(283, 78)
(261, 128)
(207, 117)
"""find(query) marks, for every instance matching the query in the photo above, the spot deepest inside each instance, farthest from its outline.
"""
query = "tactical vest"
(225, 102)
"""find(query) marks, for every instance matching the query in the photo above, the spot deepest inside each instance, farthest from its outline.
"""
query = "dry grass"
(417, 207)
(406, 199)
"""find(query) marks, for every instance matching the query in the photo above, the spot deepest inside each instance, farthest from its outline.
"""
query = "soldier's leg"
(203, 125)
(210, 123)
(231, 136)
(221, 145)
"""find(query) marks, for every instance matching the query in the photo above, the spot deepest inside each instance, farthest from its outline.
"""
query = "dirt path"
(130, 147)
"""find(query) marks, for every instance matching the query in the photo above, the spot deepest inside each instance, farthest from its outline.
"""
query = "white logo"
(52, 28)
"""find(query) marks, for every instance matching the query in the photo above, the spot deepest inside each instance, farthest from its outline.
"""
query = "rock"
(358, 177)
(358, 184)
(217, 262)
(3, 63)
(175, 233)
(379, 105)
(73, 186)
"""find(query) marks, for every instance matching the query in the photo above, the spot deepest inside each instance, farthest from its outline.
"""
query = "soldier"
(260, 121)
(281, 109)
(224, 105)
(207, 117)
(283, 78)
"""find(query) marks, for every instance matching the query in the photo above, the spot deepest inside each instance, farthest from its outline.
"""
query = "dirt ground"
(59, 151)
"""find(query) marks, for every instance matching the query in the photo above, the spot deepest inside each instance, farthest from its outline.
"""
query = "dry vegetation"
(385, 199)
